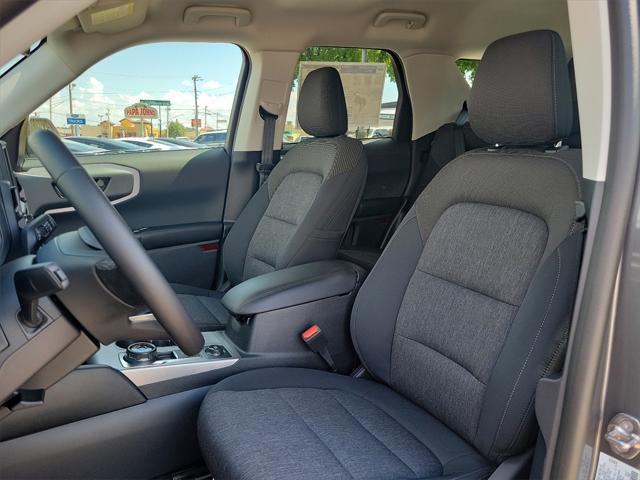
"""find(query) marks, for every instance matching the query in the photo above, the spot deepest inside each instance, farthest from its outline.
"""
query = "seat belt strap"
(463, 114)
(265, 165)
(459, 146)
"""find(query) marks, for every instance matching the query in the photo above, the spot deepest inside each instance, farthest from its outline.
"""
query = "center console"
(268, 315)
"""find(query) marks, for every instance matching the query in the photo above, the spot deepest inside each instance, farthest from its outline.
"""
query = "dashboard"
(39, 341)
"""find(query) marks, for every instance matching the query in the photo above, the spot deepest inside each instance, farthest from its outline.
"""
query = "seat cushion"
(204, 306)
(291, 423)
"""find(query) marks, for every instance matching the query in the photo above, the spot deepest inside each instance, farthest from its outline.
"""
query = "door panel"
(119, 183)
(173, 200)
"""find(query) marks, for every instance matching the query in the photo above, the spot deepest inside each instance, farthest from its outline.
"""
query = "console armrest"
(292, 286)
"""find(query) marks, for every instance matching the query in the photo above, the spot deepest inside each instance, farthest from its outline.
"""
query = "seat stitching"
(251, 255)
(442, 355)
(524, 154)
(364, 396)
(522, 422)
(467, 288)
(533, 344)
(280, 220)
(375, 436)
(312, 431)
(403, 224)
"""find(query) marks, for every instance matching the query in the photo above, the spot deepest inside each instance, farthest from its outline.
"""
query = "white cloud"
(95, 86)
(211, 85)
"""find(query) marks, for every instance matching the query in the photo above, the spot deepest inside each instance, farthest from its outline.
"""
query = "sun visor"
(113, 16)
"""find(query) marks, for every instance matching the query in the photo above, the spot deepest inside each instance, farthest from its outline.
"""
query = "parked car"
(212, 138)
(149, 143)
(381, 132)
(182, 142)
(78, 148)
(108, 144)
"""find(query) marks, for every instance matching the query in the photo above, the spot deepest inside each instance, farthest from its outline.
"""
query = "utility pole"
(363, 56)
(108, 123)
(168, 108)
(73, 127)
(196, 79)
(51, 109)
(205, 117)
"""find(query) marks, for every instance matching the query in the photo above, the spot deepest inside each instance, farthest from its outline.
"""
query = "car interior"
(372, 272)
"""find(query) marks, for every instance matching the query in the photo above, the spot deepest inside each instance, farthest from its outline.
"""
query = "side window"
(148, 98)
(370, 88)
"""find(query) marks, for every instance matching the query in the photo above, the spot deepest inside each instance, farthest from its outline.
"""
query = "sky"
(156, 71)
(161, 71)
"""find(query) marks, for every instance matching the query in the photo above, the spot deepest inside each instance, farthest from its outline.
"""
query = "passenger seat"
(450, 141)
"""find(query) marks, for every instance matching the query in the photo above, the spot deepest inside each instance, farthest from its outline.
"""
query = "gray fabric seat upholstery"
(359, 428)
(467, 308)
(302, 211)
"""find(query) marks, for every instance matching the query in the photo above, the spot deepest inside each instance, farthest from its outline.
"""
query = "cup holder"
(158, 343)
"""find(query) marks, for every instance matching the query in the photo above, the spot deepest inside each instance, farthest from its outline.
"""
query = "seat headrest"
(521, 93)
(322, 110)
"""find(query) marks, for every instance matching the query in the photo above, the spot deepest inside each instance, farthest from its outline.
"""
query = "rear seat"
(449, 141)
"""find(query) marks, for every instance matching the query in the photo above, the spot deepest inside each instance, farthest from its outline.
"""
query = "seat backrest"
(469, 304)
(301, 212)
(447, 142)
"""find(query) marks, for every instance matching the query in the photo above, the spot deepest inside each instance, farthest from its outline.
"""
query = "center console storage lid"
(292, 286)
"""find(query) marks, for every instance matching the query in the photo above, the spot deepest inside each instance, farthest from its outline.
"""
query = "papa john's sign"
(140, 110)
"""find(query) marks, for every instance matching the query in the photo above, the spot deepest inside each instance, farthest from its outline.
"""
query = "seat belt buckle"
(317, 342)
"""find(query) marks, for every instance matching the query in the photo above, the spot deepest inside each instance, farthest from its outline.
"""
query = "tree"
(176, 129)
(338, 54)
(468, 67)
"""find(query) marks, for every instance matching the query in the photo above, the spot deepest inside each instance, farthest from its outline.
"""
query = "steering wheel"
(117, 239)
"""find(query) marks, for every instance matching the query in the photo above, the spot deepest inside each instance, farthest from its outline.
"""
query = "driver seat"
(467, 308)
